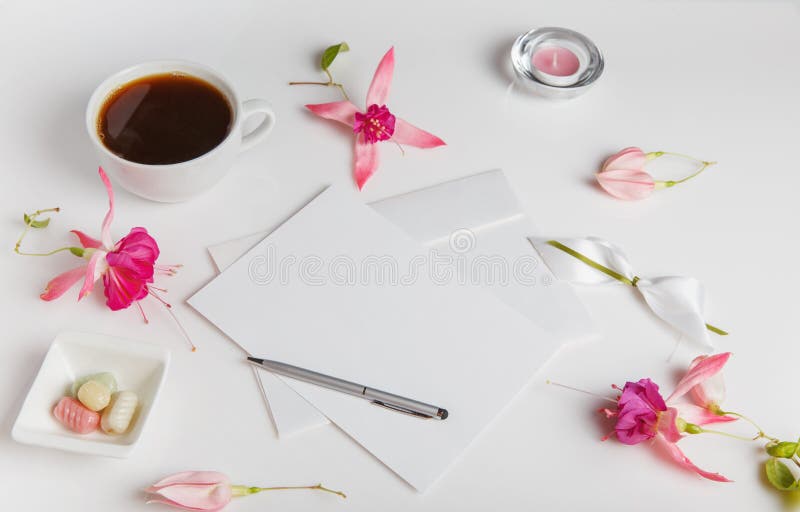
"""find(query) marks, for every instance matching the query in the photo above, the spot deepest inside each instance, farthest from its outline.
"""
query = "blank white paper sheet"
(293, 298)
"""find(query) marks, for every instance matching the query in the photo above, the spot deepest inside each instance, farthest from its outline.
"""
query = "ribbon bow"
(679, 301)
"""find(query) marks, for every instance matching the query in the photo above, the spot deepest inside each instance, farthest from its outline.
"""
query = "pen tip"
(254, 359)
(443, 414)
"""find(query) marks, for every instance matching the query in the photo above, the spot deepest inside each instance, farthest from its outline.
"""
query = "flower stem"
(329, 83)
(243, 490)
(30, 220)
(672, 183)
(760, 435)
(727, 434)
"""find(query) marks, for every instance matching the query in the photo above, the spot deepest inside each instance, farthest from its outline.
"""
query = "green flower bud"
(689, 428)
(783, 449)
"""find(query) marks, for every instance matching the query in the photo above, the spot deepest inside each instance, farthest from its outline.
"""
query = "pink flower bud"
(193, 490)
(622, 175)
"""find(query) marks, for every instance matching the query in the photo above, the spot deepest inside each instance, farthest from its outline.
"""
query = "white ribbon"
(679, 301)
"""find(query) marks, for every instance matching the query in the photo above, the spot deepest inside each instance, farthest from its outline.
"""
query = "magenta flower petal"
(130, 269)
(639, 409)
(629, 185)
(86, 240)
(105, 232)
(635, 426)
(376, 124)
(409, 135)
(342, 111)
(122, 287)
(366, 161)
(59, 285)
(678, 456)
(699, 373)
(139, 245)
(379, 88)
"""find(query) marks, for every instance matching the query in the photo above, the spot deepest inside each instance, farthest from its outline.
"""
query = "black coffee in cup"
(164, 119)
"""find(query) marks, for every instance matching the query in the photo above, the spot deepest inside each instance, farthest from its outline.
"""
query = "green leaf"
(38, 224)
(330, 54)
(783, 449)
(779, 475)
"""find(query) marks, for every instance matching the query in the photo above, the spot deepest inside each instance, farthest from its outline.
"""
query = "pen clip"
(402, 410)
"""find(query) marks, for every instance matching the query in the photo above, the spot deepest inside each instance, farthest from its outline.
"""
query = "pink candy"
(75, 416)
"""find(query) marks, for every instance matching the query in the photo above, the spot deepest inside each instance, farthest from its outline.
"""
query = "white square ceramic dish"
(138, 366)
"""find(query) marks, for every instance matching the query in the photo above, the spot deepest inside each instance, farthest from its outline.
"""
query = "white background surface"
(716, 79)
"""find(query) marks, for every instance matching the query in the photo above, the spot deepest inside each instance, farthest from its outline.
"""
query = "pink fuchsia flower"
(127, 267)
(643, 414)
(376, 123)
(639, 408)
(622, 174)
(208, 490)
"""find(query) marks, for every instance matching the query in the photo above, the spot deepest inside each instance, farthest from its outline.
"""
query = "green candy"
(105, 378)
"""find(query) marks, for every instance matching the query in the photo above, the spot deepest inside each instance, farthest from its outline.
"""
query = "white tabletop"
(714, 79)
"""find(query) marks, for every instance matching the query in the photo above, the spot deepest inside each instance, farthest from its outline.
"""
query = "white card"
(483, 207)
(290, 412)
(448, 344)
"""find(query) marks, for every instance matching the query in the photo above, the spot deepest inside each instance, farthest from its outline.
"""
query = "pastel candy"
(94, 395)
(103, 377)
(118, 415)
(73, 415)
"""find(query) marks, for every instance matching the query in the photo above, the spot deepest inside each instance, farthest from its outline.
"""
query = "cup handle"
(261, 131)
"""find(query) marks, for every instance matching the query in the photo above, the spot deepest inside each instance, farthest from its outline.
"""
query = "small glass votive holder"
(556, 63)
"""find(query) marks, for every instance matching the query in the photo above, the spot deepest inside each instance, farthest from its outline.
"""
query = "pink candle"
(556, 61)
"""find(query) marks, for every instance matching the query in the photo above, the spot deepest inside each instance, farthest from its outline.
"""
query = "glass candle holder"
(556, 63)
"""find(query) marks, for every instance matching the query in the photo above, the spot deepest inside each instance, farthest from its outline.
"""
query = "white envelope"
(447, 343)
(437, 217)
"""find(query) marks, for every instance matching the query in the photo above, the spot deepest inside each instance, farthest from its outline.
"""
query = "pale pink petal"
(678, 456)
(632, 159)
(409, 135)
(699, 373)
(711, 393)
(86, 240)
(105, 232)
(700, 415)
(191, 478)
(342, 111)
(95, 268)
(62, 282)
(668, 425)
(379, 88)
(625, 184)
(366, 161)
(197, 497)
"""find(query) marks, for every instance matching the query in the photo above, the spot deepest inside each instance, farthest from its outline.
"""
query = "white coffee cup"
(183, 180)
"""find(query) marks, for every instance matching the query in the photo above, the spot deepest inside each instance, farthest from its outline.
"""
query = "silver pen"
(377, 397)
